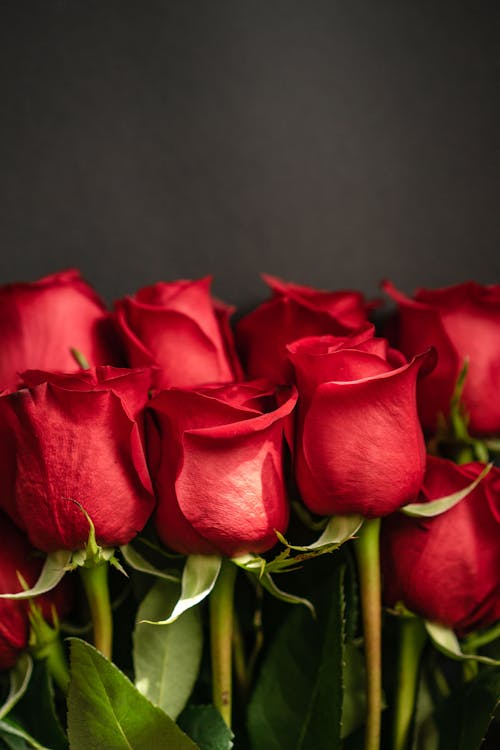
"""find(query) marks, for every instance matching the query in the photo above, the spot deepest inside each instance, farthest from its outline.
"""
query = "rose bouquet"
(162, 471)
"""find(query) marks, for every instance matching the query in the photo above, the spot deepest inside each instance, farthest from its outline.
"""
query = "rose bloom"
(16, 555)
(41, 321)
(217, 461)
(294, 312)
(447, 568)
(461, 322)
(67, 438)
(359, 445)
(180, 329)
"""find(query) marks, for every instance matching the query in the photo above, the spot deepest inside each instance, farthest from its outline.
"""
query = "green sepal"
(93, 554)
(255, 565)
(19, 676)
(442, 504)
(137, 562)
(445, 640)
(198, 579)
(54, 568)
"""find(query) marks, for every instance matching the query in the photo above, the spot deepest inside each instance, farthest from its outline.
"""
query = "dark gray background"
(332, 143)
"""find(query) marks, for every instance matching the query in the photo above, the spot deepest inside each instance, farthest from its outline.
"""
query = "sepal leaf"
(20, 676)
(198, 579)
(139, 563)
(54, 568)
(447, 642)
(442, 504)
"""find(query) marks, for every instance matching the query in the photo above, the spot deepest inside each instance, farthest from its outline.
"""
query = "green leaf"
(447, 642)
(198, 579)
(36, 711)
(354, 701)
(464, 717)
(54, 568)
(106, 711)
(20, 676)
(297, 703)
(442, 504)
(206, 727)
(139, 563)
(8, 730)
(166, 657)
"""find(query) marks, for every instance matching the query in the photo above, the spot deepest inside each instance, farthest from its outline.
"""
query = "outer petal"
(362, 445)
(78, 446)
(227, 470)
(41, 321)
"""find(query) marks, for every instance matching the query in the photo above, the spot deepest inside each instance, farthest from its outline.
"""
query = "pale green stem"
(411, 643)
(221, 639)
(95, 583)
(368, 559)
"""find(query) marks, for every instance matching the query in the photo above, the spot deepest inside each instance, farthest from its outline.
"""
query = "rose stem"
(412, 638)
(95, 583)
(368, 558)
(57, 665)
(239, 658)
(221, 638)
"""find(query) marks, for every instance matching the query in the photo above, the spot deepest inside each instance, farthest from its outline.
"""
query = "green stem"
(239, 657)
(221, 636)
(411, 643)
(368, 558)
(95, 583)
(57, 665)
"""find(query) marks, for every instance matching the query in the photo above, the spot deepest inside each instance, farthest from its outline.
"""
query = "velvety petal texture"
(17, 555)
(359, 444)
(461, 322)
(180, 329)
(447, 568)
(76, 439)
(294, 312)
(217, 454)
(41, 321)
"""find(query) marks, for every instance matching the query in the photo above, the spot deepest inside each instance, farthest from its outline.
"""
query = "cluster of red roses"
(164, 421)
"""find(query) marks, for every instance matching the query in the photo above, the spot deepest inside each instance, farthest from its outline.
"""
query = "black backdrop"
(332, 143)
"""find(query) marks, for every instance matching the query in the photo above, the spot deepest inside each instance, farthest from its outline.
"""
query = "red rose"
(76, 437)
(218, 453)
(447, 568)
(461, 322)
(294, 312)
(359, 446)
(16, 555)
(41, 321)
(180, 329)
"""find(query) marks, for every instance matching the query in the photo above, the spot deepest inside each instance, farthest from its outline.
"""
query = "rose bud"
(76, 439)
(42, 321)
(181, 330)
(294, 312)
(217, 463)
(16, 555)
(447, 568)
(359, 445)
(461, 322)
